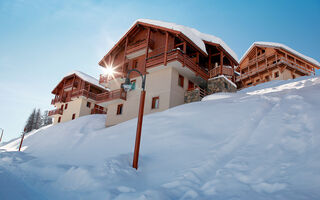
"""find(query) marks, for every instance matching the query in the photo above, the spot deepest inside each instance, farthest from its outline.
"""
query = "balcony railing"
(112, 95)
(98, 111)
(272, 64)
(84, 93)
(139, 45)
(58, 111)
(58, 99)
(177, 54)
(228, 71)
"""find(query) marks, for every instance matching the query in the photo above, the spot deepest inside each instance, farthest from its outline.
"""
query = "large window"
(181, 80)
(119, 109)
(155, 103)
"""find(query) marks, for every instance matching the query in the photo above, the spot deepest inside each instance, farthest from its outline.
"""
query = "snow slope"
(260, 143)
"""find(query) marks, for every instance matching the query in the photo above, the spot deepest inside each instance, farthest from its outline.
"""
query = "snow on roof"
(279, 45)
(194, 35)
(87, 78)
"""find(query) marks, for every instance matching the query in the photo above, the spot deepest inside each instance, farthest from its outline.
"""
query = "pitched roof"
(194, 35)
(282, 46)
(87, 78)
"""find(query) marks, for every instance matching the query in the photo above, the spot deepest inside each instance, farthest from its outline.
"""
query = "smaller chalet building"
(180, 64)
(266, 61)
(76, 95)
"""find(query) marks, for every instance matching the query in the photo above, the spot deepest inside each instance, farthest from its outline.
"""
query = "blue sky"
(41, 41)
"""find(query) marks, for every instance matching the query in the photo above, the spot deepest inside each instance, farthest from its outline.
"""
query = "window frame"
(88, 103)
(73, 116)
(153, 102)
(181, 81)
(119, 109)
(66, 106)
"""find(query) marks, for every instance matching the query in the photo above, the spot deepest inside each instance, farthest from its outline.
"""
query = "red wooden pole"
(21, 140)
(139, 127)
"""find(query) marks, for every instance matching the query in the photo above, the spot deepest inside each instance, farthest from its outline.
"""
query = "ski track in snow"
(263, 145)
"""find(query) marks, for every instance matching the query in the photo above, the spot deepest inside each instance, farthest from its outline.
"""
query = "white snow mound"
(260, 143)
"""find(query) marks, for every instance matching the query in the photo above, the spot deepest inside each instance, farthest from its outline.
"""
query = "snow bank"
(252, 145)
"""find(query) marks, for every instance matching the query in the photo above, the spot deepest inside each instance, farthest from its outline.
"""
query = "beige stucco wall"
(162, 83)
(77, 106)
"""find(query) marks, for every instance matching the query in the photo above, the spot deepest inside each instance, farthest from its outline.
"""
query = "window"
(73, 116)
(155, 103)
(119, 109)
(181, 80)
(135, 64)
(133, 84)
(276, 74)
(59, 119)
(250, 83)
(293, 76)
(267, 78)
(66, 106)
(88, 104)
(61, 107)
(190, 85)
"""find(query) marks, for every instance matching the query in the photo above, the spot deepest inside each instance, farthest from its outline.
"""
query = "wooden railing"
(139, 45)
(216, 71)
(58, 99)
(177, 54)
(273, 63)
(84, 93)
(58, 111)
(112, 95)
(98, 111)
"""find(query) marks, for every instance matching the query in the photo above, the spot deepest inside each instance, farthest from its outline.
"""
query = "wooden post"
(166, 49)
(221, 62)
(22, 137)
(209, 61)
(139, 128)
(1, 135)
(147, 51)
(185, 53)
(124, 56)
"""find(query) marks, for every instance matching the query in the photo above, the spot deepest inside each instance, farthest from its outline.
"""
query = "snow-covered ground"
(260, 143)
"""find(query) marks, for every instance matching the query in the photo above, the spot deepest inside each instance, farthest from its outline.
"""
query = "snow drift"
(260, 143)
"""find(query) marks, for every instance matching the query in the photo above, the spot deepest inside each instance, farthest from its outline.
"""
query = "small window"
(155, 103)
(293, 76)
(133, 84)
(73, 116)
(190, 85)
(267, 78)
(181, 80)
(61, 107)
(119, 109)
(59, 119)
(88, 104)
(135, 64)
(276, 74)
(66, 106)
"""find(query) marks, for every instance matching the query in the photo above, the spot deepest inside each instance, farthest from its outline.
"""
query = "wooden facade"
(264, 63)
(146, 46)
(73, 86)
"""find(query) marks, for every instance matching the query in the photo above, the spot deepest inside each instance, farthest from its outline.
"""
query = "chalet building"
(181, 65)
(77, 95)
(266, 61)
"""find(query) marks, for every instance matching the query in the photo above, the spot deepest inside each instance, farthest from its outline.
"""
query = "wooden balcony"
(110, 96)
(84, 93)
(98, 111)
(58, 99)
(228, 71)
(139, 45)
(58, 111)
(177, 54)
(272, 64)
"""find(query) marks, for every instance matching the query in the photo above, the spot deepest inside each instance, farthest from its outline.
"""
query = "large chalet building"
(181, 65)
(77, 95)
(176, 60)
(266, 61)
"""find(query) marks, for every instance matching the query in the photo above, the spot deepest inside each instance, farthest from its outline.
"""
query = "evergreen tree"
(30, 122)
(46, 120)
(37, 120)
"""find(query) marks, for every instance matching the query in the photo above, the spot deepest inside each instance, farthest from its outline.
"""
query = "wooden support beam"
(197, 57)
(166, 49)
(221, 62)
(184, 52)
(215, 54)
(147, 50)
(209, 61)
